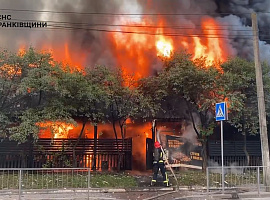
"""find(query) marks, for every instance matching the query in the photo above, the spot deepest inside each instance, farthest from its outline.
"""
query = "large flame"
(164, 48)
(135, 51)
(129, 50)
(211, 46)
(66, 54)
(58, 129)
(136, 44)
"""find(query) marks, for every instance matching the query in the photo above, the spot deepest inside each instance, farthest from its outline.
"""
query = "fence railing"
(237, 160)
(40, 179)
(236, 178)
(105, 154)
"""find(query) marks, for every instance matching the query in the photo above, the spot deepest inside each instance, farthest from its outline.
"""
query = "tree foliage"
(35, 88)
(240, 86)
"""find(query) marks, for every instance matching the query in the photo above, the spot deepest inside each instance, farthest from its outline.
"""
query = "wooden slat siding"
(84, 145)
(13, 155)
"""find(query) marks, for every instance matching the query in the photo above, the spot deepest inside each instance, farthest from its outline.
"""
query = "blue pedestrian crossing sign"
(221, 111)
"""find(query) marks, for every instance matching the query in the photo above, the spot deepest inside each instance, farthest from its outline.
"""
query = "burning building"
(135, 35)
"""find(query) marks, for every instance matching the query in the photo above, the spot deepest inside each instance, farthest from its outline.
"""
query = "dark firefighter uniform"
(158, 163)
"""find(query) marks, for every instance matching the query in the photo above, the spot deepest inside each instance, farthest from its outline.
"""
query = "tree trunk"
(30, 155)
(123, 140)
(95, 149)
(75, 145)
(245, 141)
(117, 145)
(40, 97)
(204, 154)
(192, 119)
(199, 136)
(245, 149)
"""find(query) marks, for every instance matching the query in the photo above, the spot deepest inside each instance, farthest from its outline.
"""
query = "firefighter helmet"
(157, 144)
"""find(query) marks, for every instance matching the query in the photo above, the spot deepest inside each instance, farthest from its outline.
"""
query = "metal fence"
(237, 160)
(59, 153)
(237, 178)
(44, 180)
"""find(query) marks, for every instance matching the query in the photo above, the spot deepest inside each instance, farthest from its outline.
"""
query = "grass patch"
(64, 180)
(68, 179)
(113, 180)
(232, 179)
(189, 178)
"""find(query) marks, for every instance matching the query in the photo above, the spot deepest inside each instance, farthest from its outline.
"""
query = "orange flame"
(59, 129)
(164, 48)
(212, 48)
(138, 43)
(129, 50)
(10, 71)
(63, 53)
(21, 51)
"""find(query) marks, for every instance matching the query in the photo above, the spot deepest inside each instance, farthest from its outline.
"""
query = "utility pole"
(261, 104)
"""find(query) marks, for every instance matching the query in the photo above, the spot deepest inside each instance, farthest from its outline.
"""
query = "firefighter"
(158, 163)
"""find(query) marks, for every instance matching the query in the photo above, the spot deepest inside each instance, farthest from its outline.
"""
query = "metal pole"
(258, 181)
(88, 177)
(207, 181)
(20, 183)
(95, 148)
(222, 159)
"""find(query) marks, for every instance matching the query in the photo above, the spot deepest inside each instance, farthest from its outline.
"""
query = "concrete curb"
(91, 190)
(102, 190)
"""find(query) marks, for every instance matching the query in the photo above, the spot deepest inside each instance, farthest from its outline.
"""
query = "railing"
(36, 179)
(237, 160)
(59, 153)
(236, 178)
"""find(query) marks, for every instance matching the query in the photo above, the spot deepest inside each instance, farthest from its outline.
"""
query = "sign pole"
(221, 115)
(222, 160)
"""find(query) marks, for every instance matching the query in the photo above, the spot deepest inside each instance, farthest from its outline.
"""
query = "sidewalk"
(232, 195)
(147, 193)
(94, 193)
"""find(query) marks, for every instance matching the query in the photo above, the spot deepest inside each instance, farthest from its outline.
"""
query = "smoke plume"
(89, 47)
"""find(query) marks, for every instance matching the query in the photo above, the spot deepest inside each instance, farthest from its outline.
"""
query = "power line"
(116, 14)
(177, 27)
(136, 32)
(171, 34)
(142, 33)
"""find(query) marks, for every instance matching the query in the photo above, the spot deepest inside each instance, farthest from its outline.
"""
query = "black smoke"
(98, 46)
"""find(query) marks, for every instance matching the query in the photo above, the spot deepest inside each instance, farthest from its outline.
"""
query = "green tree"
(199, 87)
(38, 92)
(203, 86)
(84, 98)
(240, 86)
(10, 79)
(126, 98)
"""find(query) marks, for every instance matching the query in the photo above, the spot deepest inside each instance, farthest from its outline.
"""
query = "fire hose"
(167, 161)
